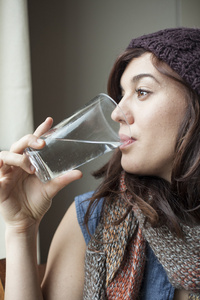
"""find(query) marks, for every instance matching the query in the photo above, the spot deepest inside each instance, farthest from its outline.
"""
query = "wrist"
(21, 245)
(13, 232)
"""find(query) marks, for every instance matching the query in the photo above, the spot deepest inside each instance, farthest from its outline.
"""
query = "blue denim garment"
(81, 203)
(155, 284)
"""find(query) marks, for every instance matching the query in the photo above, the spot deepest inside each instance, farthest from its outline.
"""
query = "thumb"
(58, 183)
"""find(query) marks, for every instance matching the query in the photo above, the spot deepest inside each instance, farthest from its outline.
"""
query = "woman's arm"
(22, 281)
(23, 202)
(64, 277)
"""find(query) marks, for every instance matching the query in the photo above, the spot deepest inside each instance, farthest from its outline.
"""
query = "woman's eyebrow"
(143, 75)
(138, 77)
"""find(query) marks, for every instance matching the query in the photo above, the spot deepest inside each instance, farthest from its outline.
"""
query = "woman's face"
(154, 106)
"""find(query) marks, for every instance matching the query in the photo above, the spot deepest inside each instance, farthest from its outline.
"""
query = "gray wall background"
(73, 47)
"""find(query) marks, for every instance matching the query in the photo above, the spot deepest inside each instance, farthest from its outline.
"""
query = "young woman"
(142, 225)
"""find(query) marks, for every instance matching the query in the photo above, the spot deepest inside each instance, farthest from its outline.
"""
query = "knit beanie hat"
(179, 48)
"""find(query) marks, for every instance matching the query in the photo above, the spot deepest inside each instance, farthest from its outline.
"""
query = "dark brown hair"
(169, 203)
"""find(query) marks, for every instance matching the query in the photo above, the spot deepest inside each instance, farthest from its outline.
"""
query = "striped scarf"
(122, 245)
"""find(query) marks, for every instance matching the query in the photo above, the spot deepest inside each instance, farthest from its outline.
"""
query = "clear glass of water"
(87, 134)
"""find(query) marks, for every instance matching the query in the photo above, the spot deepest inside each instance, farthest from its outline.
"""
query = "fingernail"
(38, 142)
(32, 168)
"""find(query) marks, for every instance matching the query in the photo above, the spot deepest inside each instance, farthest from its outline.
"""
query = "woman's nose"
(121, 114)
(117, 115)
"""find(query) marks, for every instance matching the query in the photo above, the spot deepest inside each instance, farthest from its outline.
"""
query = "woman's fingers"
(44, 127)
(32, 140)
(8, 160)
(29, 140)
(55, 185)
(16, 157)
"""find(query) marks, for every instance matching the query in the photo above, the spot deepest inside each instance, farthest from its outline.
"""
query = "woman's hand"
(24, 199)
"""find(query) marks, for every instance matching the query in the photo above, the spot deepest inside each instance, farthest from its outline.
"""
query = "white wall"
(73, 45)
(15, 83)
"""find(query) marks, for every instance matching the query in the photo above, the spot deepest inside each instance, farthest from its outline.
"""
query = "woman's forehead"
(140, 67)
(148, 66)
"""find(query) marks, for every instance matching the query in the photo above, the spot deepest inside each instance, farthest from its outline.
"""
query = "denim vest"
(155, 285)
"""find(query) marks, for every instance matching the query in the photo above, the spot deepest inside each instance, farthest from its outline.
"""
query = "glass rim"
(117, 105)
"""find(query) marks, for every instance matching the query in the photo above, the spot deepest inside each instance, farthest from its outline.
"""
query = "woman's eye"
(141, 93)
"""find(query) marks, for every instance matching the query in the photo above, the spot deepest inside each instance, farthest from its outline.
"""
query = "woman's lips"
(126, 141)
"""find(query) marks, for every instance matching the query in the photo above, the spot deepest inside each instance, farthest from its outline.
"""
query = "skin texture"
(154, 106)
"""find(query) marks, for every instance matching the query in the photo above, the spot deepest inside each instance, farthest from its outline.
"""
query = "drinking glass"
(87, 134)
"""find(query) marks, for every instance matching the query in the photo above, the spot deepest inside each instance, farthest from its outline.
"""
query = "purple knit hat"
(179, 48)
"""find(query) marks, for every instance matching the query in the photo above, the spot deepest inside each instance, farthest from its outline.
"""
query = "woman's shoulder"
(81, 204)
